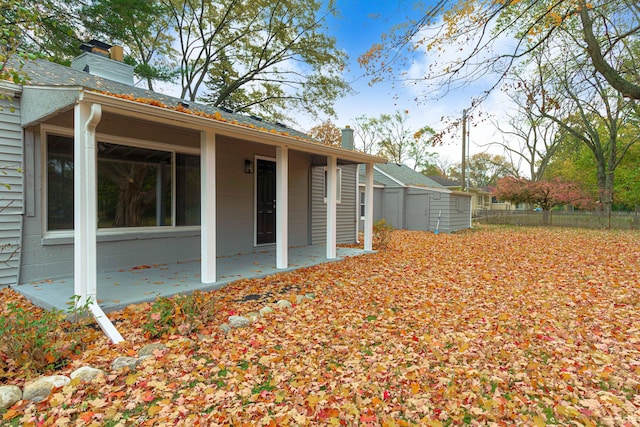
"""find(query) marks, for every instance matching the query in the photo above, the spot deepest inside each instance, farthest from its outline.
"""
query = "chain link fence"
(580, 219)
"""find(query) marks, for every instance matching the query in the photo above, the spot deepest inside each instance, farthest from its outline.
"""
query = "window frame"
(46, 130)
(339, 186)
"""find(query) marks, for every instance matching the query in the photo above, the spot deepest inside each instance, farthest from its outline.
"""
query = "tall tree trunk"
(546, 215)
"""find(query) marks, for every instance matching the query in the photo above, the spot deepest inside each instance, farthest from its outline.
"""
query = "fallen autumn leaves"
(496, 326)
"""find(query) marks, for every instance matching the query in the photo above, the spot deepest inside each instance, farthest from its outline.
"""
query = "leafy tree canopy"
(260, 57)
(327, 133)
(545, 194)
(484, 170)
(466, 40)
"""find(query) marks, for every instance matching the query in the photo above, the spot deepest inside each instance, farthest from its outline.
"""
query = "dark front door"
(265, 201)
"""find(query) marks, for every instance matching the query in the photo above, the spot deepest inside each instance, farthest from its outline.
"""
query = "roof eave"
(191, 121)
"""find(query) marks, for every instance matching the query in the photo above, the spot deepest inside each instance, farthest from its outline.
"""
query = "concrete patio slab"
(118, 289)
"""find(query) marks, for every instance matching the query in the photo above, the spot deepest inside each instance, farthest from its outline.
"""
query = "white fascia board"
(374, 185)
(392, 178)
(439, 190)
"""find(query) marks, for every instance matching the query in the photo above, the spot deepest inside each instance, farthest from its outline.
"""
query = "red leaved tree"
(545, 194)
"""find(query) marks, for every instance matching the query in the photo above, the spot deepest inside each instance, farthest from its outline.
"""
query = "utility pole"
(463, 166)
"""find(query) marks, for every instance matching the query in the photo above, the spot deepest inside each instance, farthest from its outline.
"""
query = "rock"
(253, 316)
(9, 394)
(300, 299)
(57, 380)
(283, 303)
(310, 295)
(147, 350)
(86, 373)
(40, 389)
(238, 322)
(124, 362)
(265, 310)
(225, 328)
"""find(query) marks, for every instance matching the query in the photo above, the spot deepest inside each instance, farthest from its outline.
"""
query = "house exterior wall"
(377, 206)
(236, 196)
(11, 191)
(50, 256)
(345, 210)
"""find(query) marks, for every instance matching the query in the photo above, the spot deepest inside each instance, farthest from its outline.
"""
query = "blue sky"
(360, 26)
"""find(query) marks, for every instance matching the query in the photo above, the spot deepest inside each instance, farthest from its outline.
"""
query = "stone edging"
(40, 388)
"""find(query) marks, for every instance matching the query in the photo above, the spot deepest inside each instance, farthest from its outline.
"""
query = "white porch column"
(368, 207)
(85, 203)
(332, 190)
(208, 206)
(85, 214)
(282, 206)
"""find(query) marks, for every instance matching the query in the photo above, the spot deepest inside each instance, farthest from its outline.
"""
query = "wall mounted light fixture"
(248, 166)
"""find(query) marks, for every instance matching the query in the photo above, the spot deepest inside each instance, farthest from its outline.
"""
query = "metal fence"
(580, 219)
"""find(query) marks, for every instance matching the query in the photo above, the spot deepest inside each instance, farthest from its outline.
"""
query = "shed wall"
(459, 212)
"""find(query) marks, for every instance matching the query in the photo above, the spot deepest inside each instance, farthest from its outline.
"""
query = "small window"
(362, 205)
(60, 182)
(339, 180)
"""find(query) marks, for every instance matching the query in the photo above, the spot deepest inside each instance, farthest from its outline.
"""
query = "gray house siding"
(393, 206)
(414, 202)
(439, 209)
(418, 213)
(50, 256)
(345, 210)
(11, 192)
(378, 194)
(460, 206)
(236, 197)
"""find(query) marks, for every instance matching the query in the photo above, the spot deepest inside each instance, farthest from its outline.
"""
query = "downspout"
(88, 294)
(357, 204)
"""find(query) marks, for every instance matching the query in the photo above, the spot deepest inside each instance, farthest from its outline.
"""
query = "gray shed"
(409, 200)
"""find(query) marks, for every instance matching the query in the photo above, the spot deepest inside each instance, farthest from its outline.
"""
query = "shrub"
(182, 314)
(35, 342)
(382, 233)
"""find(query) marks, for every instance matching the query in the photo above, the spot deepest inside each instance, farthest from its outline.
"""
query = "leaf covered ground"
(495, 326)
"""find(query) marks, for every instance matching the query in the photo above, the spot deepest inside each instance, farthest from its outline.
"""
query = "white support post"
(368, 207)
(85, 204)
(85, 211)
(282, 207)
(332, 190)
(208, 206)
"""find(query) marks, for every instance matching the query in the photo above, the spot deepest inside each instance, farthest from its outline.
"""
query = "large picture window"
(136, 186)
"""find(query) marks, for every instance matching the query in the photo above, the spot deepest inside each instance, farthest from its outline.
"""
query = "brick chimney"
(347, 138)
(103, 60)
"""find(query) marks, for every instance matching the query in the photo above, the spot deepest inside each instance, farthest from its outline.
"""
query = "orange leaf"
(415, 388)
